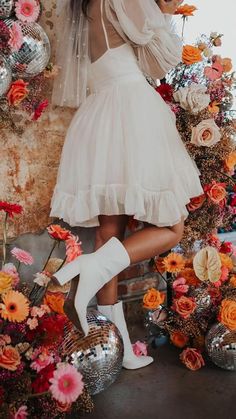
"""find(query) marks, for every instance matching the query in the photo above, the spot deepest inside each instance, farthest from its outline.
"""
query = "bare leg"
(110, 226)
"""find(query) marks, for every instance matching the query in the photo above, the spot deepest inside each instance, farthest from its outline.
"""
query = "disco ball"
(5, 76)
(97, 356)
(6, 8)
(202, 299)
(154, 322)
(34, 54)
(221, 346)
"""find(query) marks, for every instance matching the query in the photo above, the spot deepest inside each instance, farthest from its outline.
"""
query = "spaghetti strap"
(103, 25)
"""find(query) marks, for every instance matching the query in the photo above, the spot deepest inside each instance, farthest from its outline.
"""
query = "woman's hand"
(169, 6)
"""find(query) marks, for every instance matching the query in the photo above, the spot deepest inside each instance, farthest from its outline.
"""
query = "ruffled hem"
(161, 208)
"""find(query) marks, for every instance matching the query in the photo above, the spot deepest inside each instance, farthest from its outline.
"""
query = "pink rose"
(140, 348)
(180, 286)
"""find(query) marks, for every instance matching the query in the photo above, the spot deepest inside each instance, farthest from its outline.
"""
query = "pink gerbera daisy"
(16, 37)
(22, 256)
(27, 10)
(66, 384)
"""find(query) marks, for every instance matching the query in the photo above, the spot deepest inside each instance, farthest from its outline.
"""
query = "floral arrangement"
(21, 93)
(200, 93)
(203, 289)
(34, 380)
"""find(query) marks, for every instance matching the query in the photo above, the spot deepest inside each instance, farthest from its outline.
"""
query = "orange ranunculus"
(232, 281)
(55, 301)
(57, 232)
(174, 262)
(179, 339)
(230, 161)
(153, 299)
(185, 10)
(192, 358)
(189, 275)
(191, 55)
(184, 306)
(159, 265)
(17, 92)
(227, 314)
(227, 65)
(196, 202)
(226, 261)
(9, 358)
(214, 107)
(216, 192)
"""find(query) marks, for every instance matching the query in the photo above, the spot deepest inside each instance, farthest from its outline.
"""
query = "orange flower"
(227, 314)
(179, 339)
(17, 92)
(226, 261)
(159, 265)
(227, 65)
(192, 359)
(232, 281)
(189, 275)
(174, 263)
(9, 358)
(191, 55)
(185, 10)
(153, 299)
(55, 302)
(57, 232)
(196, 203)
(216, 192)
(214, 107)
(5, 282)
(230, 161)
(15, 307)
(184, 306)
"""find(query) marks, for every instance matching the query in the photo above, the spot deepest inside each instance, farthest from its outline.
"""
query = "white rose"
(206, 133)
(192, 98)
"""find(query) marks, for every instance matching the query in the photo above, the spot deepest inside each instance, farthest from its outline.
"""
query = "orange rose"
(179, 339)
(9, 358)
(196, 202)
(189, 275)
(184, 306)
(216, 192)
(17, 92)
(227, 314)
(226, 261)
(227, 64)
(153, 299)
(185, 10)
(55, 301)
(230, 161)
(232, 281)
(192, 359)
(191, 55)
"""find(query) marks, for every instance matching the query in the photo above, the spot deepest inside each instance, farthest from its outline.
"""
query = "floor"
(167, 390)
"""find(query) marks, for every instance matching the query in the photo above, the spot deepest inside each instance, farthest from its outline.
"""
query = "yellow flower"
(5, 282)
(214, 107)
(15, 307)
(174, 263)
(226, 261)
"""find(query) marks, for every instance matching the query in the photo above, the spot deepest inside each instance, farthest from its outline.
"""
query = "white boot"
(95, 269)
(115, 314)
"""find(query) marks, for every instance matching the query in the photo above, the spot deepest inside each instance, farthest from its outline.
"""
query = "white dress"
(123, 153)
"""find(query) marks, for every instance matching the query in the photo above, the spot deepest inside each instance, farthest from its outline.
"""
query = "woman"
(122, 155)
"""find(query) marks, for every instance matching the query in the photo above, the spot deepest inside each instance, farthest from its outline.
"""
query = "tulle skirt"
(123, 153)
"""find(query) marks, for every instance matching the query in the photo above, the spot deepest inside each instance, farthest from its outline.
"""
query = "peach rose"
(227, 314)
(193, 98)
(196, 203)
(227, 65)
(17, 92)
(9, 358)
(184, 306)
(191, 55)
(206, 133)
(153, 299)
(216, 192)
(192, 358)
(179, 339)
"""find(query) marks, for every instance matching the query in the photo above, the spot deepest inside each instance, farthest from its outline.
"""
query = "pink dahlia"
(16, 37)
(27, 10)
(66, 384)
(22, 256)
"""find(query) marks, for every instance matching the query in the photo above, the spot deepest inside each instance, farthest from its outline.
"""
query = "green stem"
(32, 396)
(227, 176)
(50, 254)
(4, 241)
